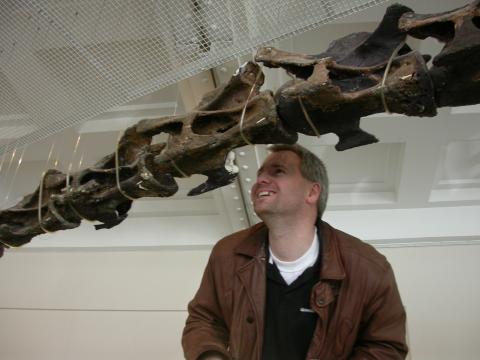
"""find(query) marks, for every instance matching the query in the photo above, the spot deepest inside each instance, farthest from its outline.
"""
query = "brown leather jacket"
(360, 314)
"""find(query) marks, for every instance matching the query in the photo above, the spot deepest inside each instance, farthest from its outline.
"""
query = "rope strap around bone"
(56, 213)
(166, 146)
(304, 110)
(174, 164)
(6, 245)
(385, 74)
(117, 170)
(178, 169)
(51, 206)
(307, 117)
(244, 110)
(40, 195)
(70, 204)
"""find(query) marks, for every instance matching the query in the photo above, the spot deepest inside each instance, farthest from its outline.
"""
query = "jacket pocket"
(343, 339)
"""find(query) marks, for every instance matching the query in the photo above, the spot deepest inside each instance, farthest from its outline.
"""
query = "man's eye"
(279, 171)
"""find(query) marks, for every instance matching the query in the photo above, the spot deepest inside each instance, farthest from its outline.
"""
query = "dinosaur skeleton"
(358, 75)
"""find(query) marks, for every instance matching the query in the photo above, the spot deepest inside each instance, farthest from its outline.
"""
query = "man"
(293, 287)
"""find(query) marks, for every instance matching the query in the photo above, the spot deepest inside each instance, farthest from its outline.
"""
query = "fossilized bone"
(455, 71)
(338, 87)
(198, 143)
(358, 75)
(336, 96)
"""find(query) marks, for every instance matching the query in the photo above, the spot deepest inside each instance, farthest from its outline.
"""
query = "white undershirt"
(291, 270)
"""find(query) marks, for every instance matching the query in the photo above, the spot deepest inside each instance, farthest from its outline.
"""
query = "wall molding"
(377, 243)
(425, 242)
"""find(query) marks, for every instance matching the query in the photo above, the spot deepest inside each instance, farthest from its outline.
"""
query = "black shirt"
(289, 321)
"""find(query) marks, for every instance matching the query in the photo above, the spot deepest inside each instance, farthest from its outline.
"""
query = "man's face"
(280, 187)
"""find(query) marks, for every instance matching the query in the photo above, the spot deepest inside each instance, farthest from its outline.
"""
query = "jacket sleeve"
(205, 329)
(382, 335)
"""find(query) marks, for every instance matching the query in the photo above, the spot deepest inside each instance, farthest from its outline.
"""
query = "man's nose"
(262, 179)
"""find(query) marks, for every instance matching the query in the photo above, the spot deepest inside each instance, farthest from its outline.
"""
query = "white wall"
(439, 287)
(95, 304)
(98, 304)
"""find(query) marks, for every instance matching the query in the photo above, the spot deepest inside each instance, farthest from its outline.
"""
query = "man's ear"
(314, 193)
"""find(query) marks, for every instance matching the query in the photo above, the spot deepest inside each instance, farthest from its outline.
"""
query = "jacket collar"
(332, 264)
(332, 268)
(254, 240)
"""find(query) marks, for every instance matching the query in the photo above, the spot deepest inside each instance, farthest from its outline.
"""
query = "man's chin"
(262, 211)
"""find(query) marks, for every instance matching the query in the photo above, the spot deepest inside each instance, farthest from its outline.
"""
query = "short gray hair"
(312, 169)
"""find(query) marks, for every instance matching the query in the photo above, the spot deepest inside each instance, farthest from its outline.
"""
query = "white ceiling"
(420, 183)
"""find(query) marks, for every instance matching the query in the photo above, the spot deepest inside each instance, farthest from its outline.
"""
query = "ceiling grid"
(62, 63)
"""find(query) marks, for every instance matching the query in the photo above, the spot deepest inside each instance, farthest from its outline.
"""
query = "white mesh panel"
(63, 62)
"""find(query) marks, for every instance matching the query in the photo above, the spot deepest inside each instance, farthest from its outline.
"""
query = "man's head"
(290, 179)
